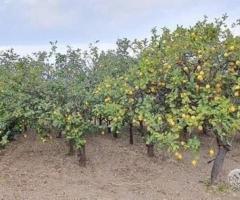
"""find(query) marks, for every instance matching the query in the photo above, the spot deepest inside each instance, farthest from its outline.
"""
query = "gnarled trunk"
(218, 161)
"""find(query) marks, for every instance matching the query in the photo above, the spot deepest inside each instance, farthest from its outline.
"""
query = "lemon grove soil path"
(32, 170)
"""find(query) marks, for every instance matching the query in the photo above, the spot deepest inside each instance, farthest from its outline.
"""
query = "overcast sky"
(28, 25)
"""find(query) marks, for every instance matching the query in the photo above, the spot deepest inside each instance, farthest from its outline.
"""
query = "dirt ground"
(32, 170)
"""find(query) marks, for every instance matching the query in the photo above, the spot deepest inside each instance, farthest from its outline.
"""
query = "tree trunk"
(141, 128)
(218, 162)
(82, 156)
(59, 134)
(185, 134)
(95, 121)
(130, 133)
(71, 147)
(25, 128)
(100, 120)
(109, 127)
(115, 135)
(150, 150)
(205, 129)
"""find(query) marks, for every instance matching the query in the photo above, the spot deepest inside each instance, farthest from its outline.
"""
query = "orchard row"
(168, 85)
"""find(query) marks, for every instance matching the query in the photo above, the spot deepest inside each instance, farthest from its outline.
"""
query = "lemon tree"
(195, 72)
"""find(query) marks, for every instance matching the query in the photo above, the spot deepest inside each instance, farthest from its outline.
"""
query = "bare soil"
(115, 170)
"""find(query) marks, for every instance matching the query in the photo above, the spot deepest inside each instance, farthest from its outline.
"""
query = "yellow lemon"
(216, 98)
(232, 109)
(183, 116)
(200, 128)
(179, 157)
(207, 86)
(182, 143)
(236, 94)
(231, 48)
(201, 73)
(140, 118)
(171, 122)
(194, 163)
(211, 152)
(237, 87)
(238, 62)
(218, 85)
(130, 92)
(200, 77)
(107, 99)
(193, 117)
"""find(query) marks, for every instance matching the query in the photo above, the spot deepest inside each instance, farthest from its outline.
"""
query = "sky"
(29, 25)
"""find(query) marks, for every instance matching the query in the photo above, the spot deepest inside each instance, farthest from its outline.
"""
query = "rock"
(234, 179)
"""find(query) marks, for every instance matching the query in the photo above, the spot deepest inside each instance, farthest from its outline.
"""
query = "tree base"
(82, 156)
(59, 134)
(71, 148)
(115, 135)
(150, 150)
(130, 133)
(218, 162)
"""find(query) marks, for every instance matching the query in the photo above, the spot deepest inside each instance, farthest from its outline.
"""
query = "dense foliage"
(172, 86)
